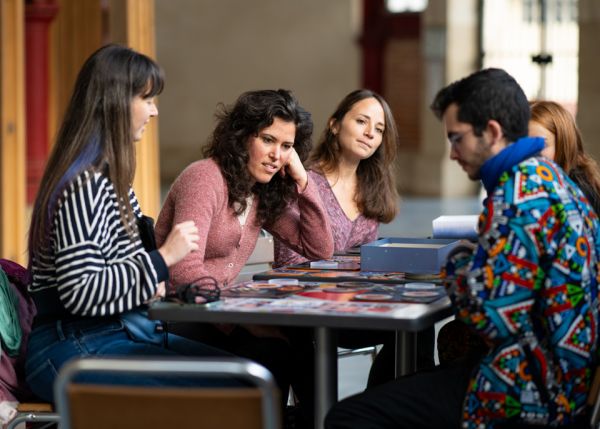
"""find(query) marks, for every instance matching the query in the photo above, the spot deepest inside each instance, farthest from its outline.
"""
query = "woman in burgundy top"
(353, 167)
(252, 172)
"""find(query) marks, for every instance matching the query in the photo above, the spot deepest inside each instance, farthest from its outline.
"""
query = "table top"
(307, 272)
(295, 311)
(332, 276)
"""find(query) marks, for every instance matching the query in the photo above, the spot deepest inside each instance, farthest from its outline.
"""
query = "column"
(13, 243)
(450, 52)
(132, 24)
(38, 16)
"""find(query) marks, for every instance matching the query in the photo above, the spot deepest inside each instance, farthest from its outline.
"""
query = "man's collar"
(511, 155)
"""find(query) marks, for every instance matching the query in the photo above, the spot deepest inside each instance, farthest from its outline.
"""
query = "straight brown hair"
(374, 173)
(96, 133)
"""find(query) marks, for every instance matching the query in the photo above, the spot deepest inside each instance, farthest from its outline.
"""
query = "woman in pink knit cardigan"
(252, 171)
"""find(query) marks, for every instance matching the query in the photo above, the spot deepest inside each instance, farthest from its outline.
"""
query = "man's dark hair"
(484, 95)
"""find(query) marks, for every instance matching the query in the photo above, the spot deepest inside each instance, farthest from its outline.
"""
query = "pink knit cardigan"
(200, 194)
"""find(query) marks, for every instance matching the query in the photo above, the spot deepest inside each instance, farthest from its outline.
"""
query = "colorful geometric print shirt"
(530, 289)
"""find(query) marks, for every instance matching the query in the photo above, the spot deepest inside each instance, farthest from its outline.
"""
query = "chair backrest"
(90, 406)
(593, 399)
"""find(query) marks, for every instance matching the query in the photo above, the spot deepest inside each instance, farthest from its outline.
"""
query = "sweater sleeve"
(100, 269)
(305, 229)
(283, 255)
(196, 195)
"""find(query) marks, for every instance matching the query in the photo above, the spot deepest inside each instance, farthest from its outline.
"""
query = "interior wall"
(403, 77)
(213, 51)
(588, 109)
(462, 59)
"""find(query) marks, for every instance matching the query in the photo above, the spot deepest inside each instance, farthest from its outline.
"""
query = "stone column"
(450, 41)
(132, 24)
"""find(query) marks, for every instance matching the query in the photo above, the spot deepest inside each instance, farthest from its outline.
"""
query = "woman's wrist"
(302, 183)
(165, 255)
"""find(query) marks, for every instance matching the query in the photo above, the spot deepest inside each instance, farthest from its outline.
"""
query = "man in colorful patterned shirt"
(529, 288)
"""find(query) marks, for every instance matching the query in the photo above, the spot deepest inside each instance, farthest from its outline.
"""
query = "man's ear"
(494, 130)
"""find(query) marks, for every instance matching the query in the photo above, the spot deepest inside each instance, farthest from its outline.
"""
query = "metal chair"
(369, 350)
(85, 405)
(34, 413)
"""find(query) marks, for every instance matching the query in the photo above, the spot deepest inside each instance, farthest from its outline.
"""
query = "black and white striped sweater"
(91, 264)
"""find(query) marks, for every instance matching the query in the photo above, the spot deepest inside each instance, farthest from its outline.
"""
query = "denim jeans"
(53, 344)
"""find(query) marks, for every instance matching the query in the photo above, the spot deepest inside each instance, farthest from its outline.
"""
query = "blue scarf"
(511, 155)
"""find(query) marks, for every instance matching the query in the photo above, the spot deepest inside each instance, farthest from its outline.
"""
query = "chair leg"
(371, 350)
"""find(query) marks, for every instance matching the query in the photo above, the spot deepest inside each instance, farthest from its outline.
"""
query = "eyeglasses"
(201, 291)
(456, 138)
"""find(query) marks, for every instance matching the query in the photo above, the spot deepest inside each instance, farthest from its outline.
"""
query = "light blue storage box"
(408, 255)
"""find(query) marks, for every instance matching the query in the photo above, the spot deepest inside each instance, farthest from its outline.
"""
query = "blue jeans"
(53, 344)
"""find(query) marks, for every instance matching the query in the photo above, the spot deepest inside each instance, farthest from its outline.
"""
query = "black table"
(324, 317)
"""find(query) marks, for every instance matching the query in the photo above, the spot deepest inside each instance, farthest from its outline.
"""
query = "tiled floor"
(414, 220)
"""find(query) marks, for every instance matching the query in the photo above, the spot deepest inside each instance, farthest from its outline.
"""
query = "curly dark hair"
(228, 146)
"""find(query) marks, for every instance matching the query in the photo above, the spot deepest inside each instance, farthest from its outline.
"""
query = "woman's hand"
(295, 169)
(160, 291)
(182, 240)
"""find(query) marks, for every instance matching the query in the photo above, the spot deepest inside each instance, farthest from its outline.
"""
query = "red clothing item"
(12, 377)
(200, 194)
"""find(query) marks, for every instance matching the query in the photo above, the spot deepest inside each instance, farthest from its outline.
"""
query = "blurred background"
(213, 50)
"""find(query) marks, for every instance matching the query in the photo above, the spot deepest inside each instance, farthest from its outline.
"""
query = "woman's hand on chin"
(296, 170)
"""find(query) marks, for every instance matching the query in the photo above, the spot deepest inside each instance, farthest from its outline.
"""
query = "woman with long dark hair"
(353, 167)
(91, 275)
(354, 157)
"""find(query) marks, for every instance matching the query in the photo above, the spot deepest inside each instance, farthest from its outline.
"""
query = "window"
(400, 6)
(529, 9)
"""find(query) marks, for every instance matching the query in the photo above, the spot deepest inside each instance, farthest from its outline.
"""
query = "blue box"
(408, 255)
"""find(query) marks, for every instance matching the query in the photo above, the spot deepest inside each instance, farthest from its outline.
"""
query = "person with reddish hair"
(564, 145)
